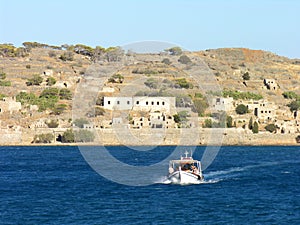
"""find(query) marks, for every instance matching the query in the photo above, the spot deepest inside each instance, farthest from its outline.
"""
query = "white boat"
(186, 170)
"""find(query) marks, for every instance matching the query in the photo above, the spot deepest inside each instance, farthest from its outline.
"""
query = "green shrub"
(52, 124)
(5, 83)
(2, 76)
(207, 123)
(241, 109)
(166, 61)
(294, 105)
(116, 78)
(200, 105)
(2, 96)
(59, 109)
(271, 128)
(50, 93)
(50, 81)
(65, 93)
(35, 80)
(289, 95)
(67, 56)
(152, 83)
(184, 59)
(27, 98)
(240, 95)
(43, 138)
(68, 137)
(84, 136)
(80, 122)
(246, 76)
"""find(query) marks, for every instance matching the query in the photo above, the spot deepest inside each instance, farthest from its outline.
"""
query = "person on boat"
(194, 169)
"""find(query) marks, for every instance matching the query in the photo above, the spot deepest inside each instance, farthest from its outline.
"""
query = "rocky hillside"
(34, 69)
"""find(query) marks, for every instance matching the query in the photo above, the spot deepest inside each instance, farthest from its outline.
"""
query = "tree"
(271, 128)
(246, 76)
(229, 122)
(83, 50)
(255, 128)
(250, 125)
(50, 81)
(241, 109)
(68, 137)
(114, 54)
(184, 59)
(298, 139)
(35, 80)
(174, 50)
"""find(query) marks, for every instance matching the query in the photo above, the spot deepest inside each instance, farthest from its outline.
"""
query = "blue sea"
(243, 185)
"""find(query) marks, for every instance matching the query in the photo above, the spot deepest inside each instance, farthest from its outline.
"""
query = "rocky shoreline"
(170, 137)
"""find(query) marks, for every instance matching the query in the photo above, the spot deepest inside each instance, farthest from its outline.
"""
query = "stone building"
(222, 104)
(9, 104)
(270, 84)
(154, 120)
(149, 104)
(263, 110)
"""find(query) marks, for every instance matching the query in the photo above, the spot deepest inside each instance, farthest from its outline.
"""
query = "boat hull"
(182, 177)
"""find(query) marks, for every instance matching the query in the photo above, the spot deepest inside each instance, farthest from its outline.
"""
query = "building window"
(163, 103)
(118, 102)
(137, 102)
(262, 111)
(108, 102)
(157, 103)
(128, 102)
(269, 111)
(146, 103)
(152, 103)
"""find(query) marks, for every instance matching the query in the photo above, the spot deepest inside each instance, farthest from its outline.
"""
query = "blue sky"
(194, 25)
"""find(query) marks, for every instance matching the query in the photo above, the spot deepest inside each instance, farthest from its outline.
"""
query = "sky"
(271, 25)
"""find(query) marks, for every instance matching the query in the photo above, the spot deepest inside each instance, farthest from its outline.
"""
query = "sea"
(58, 185)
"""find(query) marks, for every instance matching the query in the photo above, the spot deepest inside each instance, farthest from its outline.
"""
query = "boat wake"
(212, 177)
